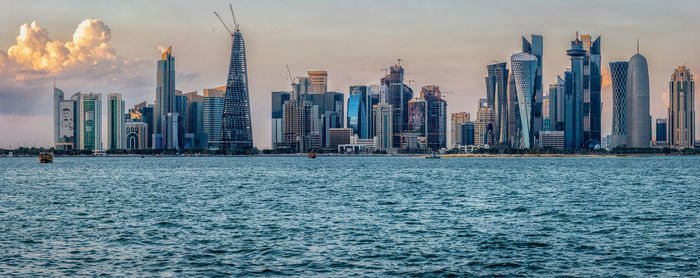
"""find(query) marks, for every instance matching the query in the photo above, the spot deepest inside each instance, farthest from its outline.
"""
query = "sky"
(112, 46)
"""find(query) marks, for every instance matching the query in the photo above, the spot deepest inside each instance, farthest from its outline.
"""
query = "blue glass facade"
(467, 134)
(357, 114)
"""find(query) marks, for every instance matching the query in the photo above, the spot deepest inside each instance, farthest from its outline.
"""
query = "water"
(346, 216)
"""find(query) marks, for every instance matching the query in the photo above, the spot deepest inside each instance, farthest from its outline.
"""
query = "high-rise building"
(497, 96)
(556, 105)
(236, 130)
(483, 127)
(165, 95)
(535, 48)
(524, 66)
(417, 117)
(591, 90)
(182, 108)
(681, 109)
(573, 97)
(213, 108)
(277, 132)
(467, 130)
(618, 76)
(65, 120)
(436, 117)
(195, 121)
(661, 130)
(298, 126)
(383, 125)
(90, 121)
(513, 112)
(319, 81)
(358, 117)
(329, 120)
(398, 95)
(456, 123)
(116, 131)
(637, 117)
(136, 135)
(339, 136)
(170, 132)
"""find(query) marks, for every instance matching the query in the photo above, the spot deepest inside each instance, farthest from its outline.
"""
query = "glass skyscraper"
(497, 97)
(637, 117)
(618, 74)
(591, 89)
(524, 67)
(357, 114)
(661, 130)
(165, 95)
(573, 95)
(115, 122)
(236, 131)
(277, 128)
(213, 108)
(398, 95)
(91, 121)
(535, 48)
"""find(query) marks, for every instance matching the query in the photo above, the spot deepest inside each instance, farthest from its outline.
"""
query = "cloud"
(36, 56)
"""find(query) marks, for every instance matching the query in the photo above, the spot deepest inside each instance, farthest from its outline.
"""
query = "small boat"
(432, 157)
(45, 158)
(312, 154)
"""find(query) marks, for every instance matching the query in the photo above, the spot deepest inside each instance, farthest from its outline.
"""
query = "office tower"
(573, 97)
(236, 131)
(467, 130)
(383, 125)
(591, 90)
(483, 128)
(329, 120)
(297, 115)
(148, 114)
(436, 118)
(552, 139)
(535, 48)
(171, 131)
(357, 114)
(277, 132)
(681, 109)
(618, 76)
(90, 121)
(339, 136)
(116, 131)
(556, 105)
(456, 122)
(322, 104)
(497, 96)
(637, 117)
(195, 121)
(213, 109)
(417, 116)
(182, 107)
(136, 135)
(165, 94)
(374, 96)
(319, 81)
(65, 120)
(545, 108)
(661, 130)
(398, 95)
(513, 112)
(524, 66)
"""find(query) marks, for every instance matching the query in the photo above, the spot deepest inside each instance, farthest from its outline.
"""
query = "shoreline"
(442, 156)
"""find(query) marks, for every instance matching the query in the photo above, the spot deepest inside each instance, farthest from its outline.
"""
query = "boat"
(434, 156)
(45, 158)
(311, 154)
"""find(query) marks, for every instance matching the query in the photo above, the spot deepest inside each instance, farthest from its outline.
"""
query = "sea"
(350, 216)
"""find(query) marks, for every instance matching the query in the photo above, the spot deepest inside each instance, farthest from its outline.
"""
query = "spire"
(637, 45)
(167, 52)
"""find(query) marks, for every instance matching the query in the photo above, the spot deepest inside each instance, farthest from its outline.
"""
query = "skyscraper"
(90, 121)
(456, 121)
(573, 97)
(467, 131)
(236, 131)
(298, 129)
(524, 66)
(556, 105)
(319, 81)
(483, 127)
(637, 117)
(383, 125)
(165, 95)
(66, 120)
(436, 118)
(116, 131)
(398, 95)
(497, 96)
(535, 48)
(182, 108)
(681, 109)
(417, 117)
(213, 108)
(357, 112)
(513, 112)
(618, 75)
(591, 89)
(661, 130)
(277, 132)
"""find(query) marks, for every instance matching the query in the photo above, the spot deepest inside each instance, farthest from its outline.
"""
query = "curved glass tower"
(524, 66)
(618, 74)
(637, 117)
(236, 131)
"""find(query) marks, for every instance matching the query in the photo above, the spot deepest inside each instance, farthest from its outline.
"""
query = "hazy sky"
(446, 43)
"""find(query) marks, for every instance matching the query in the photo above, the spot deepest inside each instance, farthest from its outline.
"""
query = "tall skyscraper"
(90, 121)
(661, 130)
(383, 125)
(65, 120)
(524, 66)
(556, 105)
(436, 120)
(236, 130)
(513, 112)
(398, 95)
(535, 48)
(213, 108)
(467, 131)
(591, 89)
(618, 75)
(319, 81)
(165, 95)
(298, 128)
(417, 117)
(573, 97)
(277, 132)
(182, 108)
(456, 121)
(637, 117)
(357, 112)
(497, 96)
(681, 109)
(116, 131)
(483, 130)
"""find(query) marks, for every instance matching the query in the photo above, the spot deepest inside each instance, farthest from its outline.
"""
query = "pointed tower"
(236, 131)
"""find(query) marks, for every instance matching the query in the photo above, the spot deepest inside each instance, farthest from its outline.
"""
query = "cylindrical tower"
(618, 74)
(638, 119)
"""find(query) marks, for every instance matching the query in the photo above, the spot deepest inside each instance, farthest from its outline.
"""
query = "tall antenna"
(235, 22)
(637, 45)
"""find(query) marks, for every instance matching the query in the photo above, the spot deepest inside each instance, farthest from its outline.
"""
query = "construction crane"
(289, 72)
(235, 23)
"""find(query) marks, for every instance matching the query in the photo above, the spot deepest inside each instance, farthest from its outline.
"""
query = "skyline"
(443, 54)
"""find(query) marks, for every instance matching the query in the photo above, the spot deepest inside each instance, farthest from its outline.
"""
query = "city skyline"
(457, 63)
